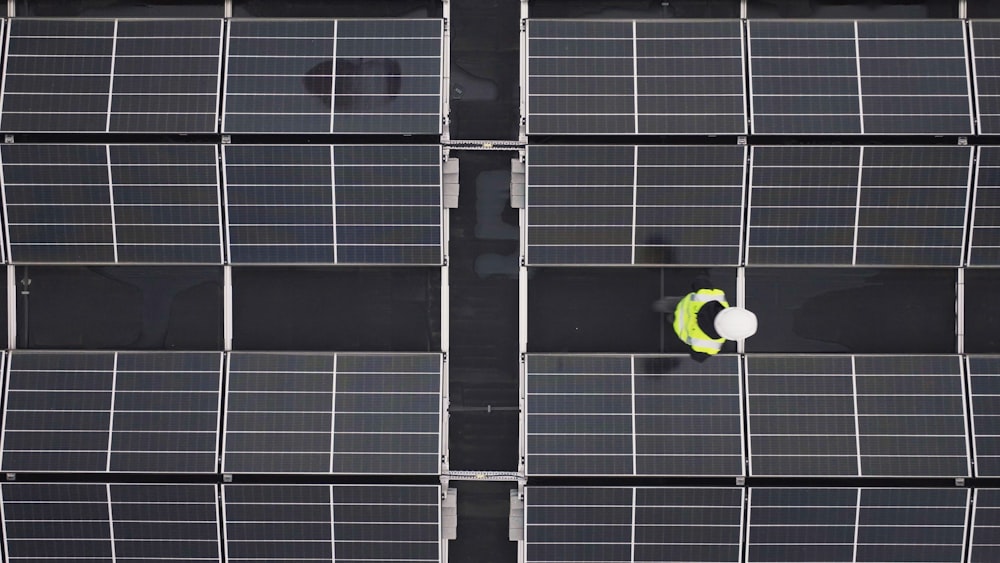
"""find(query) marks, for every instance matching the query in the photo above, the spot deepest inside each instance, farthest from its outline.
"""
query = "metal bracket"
(517, 178)
(515, 521)
(449, 183)
(449, 515)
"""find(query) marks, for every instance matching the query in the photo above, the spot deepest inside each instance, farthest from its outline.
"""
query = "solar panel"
(107, 522)
(332, 523)
(984, 392)
(635, 77)
(868, 524)
(633, 415)
(612, 205)
(339, 204)
(984, 245)
(871, 416)
(632, 524)
(382, 76)
(985, 39)
(984, 536)
(112, 411)
(851, 77)
(115, 204)
(112, 75)
(376, 413)
(812, 205)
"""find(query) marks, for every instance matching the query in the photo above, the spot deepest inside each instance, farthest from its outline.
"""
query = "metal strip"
(333, 93)
(445, 106)
(857, 59)
(741, 297)
(8, 358)
(225, 417)
(972, 415)
(111, 198)
(222, 56)
(223, 358)
(960, 312)
(635, 429)
(635, 195)
(225, 76)
(6, 215)
(632, 540)
(333, 417)
(743, 70)
(225, 206)
(219, 526)
(745, 399)
(970, 535)
(111, 418)
(857, 206)
(635, 78)
(333, 200)
(857, 416)
(965, 416)
(969, 89)
(975, 74)
(333, 527)
(523, 61)
(749, 71)
(967, 532)
(6, 59)
(970, 204)
(111, 77)
(442, 131)
(857, 522)
(111, 523)
(220, 188)
(745, 195)
(744, 404)
(12, 294)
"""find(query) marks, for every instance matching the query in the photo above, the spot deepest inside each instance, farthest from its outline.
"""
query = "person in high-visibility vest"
(704, 320)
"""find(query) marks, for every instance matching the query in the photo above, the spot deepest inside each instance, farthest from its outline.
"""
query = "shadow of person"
(373, 83)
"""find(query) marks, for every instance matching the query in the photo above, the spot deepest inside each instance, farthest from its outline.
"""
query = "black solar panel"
(804, 77)
(338, 523)
(811, 205)
(609, 205)
(376, 204)
(984, 536)
(635, 77)
(633, 415)
(857, 415)
(886, 525)
(985, 39)
(984, 245)
(376, 413)
(984, 391)
(112, 204)
(851, 77)
(382, 76)
(88, 75)
(105, 522)
(112, 411)
(611, 524)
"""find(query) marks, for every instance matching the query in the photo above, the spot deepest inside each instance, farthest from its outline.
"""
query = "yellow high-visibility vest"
(686, 320)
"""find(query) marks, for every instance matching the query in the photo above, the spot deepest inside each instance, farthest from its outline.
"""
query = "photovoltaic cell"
(113, 75)
(332, 523)
(984, 391)
(333, 413)
(984, 536)
(859, 77)
(633, 415)
(112, 411)
(812, 205)
(611, 205)
(340, 204)
(985, 38)
(334, 76)
(984, 246)
(635, 77)
(870, 416)
(112, 204)
(885, 525)
(105, 522)
(633, 524)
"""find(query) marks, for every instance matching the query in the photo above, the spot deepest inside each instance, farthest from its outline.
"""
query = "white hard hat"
(734, 323)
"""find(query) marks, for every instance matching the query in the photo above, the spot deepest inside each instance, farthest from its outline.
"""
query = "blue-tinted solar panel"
(69, 522)
(112, 411)
(338, 523)
(334, 76)
(135, 76)
(376, 413)
(341, 204)
(112, 204)
(613, 205)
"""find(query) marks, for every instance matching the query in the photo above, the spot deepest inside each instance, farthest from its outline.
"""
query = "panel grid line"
(857, 206)
(635, 79)
(635, 429)
(111, 200)
(857, 61)
(632, 531)
(857, 424)
(111, 522)
(333, 419)
(111, 417)
(857, 521)
(111, 77)
(635, 196)
(333, 112)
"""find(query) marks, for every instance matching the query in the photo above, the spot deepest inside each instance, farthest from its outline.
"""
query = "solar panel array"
(633, 415)
(635, 77)
(847, 524)
(332, 523)
(333, 76)
(984, 536)
(866, 416)
(155, 412)
(632, 524)
(984, 404)
(984, 231)
(872, 205)
(859, 77)
(649, 205)
(984, 37)
(112, 75)
(333, 413)
(110, 522)
(334, 204)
